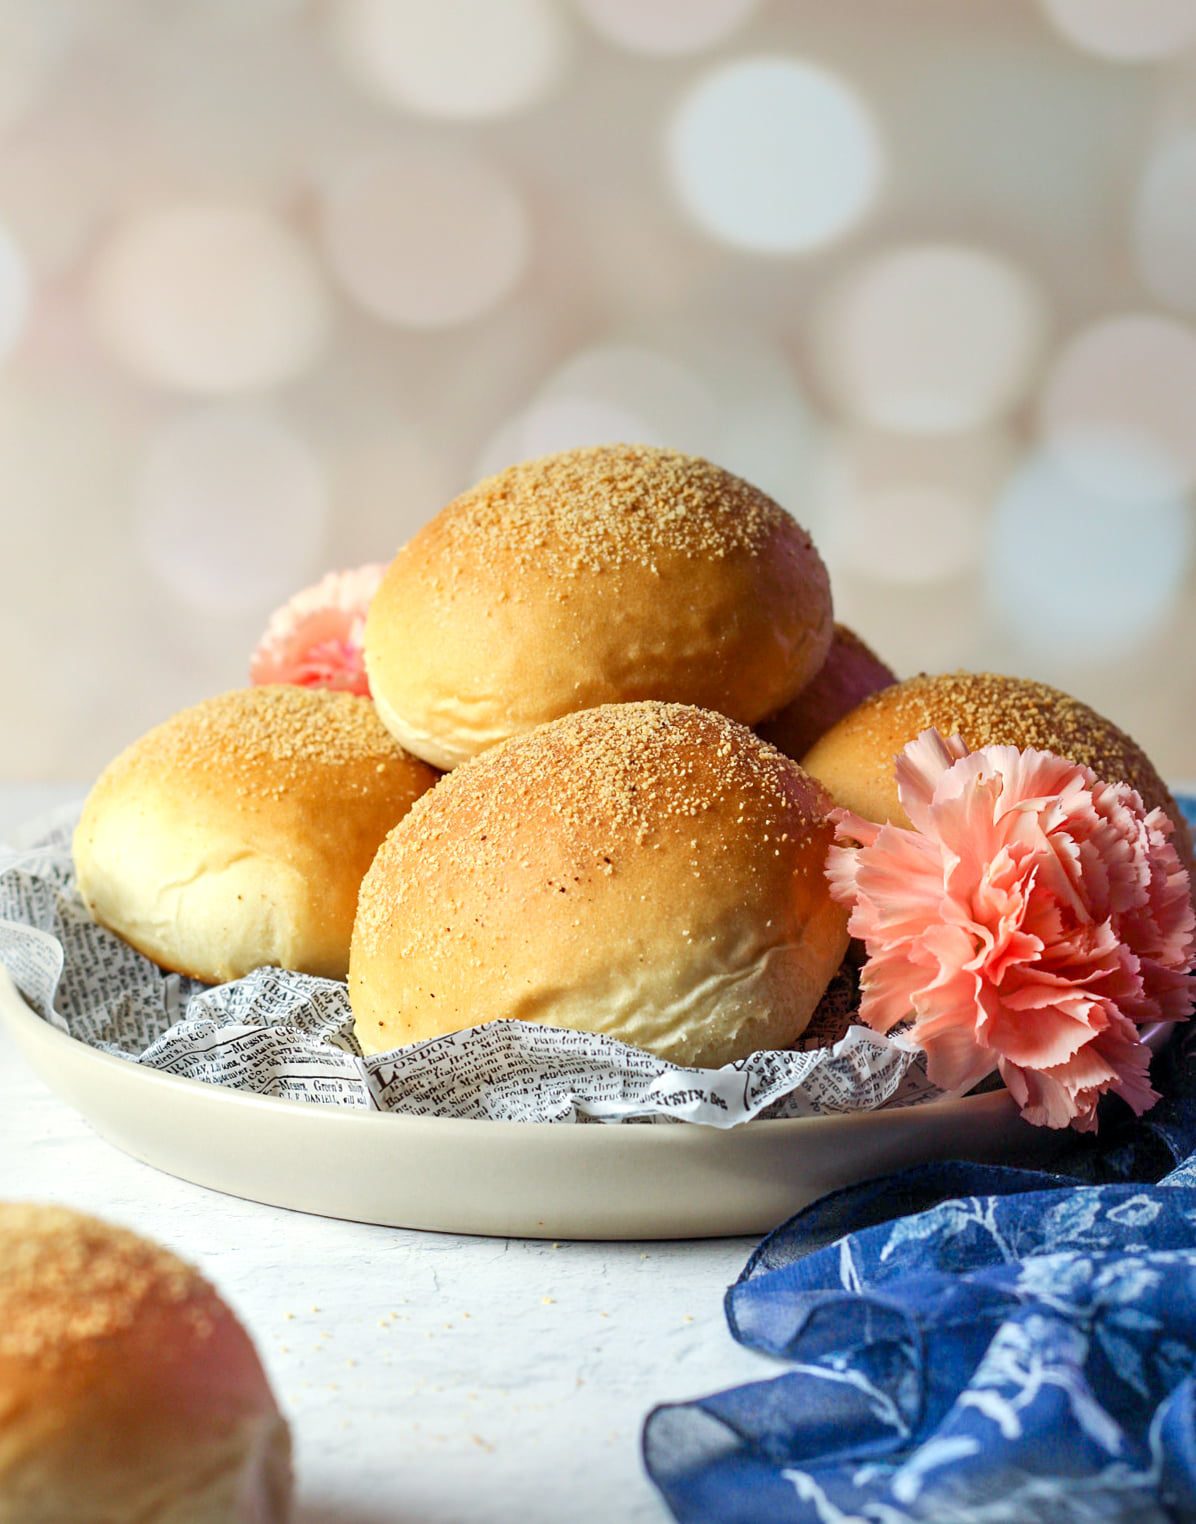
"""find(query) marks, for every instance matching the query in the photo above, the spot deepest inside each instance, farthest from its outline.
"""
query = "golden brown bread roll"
(851, 671)
(855, 759)
(237, 834)
(128, 1390)
(592, 577)
(651, 871)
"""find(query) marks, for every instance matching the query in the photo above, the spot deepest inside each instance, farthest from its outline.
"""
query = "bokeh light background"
(279, 277)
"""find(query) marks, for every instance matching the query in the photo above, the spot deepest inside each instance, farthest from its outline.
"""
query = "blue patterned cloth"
(968, 1344)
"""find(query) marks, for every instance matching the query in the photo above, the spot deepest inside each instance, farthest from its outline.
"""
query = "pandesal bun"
(851, 671)
(855, 759)
(237, 834)
(128, 1390)
(592, 577)
(650, 871)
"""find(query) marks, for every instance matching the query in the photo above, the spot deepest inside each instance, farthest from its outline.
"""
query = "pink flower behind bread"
(315, 639)
(1032, 921)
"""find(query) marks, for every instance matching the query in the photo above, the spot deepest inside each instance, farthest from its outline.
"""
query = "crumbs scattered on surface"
(69, 1282)
(590, 509)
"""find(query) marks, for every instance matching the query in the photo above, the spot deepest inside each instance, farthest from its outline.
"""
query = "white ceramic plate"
(504, 1178)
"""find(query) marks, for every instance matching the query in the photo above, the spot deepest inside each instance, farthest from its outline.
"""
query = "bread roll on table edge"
(128, 1389)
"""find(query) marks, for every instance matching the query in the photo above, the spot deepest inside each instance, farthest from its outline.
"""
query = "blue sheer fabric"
(968, 1344)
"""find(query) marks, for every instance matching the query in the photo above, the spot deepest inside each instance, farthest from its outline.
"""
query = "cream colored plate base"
(503, 1178)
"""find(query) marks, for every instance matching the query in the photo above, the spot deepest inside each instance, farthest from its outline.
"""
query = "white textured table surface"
(427, 1377)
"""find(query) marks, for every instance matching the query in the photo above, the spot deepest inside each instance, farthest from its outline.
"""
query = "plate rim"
(20, 1018)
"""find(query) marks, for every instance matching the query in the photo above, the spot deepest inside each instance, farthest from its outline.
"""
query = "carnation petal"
(918, 769)
(954, 1062)
(962, 819)
(1116, 1059)
(901, 879)
(1036, 782)
(842, 864)
(850, 827)
(1048, 1101)
(315, 639)
(1133, 1080)
(1170, 995)
(888, 983)
(1052, 1034)
(1032, 919)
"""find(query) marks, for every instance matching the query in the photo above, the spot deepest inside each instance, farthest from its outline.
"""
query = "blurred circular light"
(1067, 571)
(775, 155)
(603, 395)
(910, 511)
(708, 388)
(425, 238)
(931, 338)
(387, 485)
(235, 15)
(547, 427)
(14, 294)
(54, 195)
(666, 396)
(773, 442)
(209, 297)
(1129, 30)
(761, 427)
(667, 26)
(913, 534)
(33, 37)
(231, 509)
(1165, 224)
(453, 58)
(1119, 408)
(634, 254)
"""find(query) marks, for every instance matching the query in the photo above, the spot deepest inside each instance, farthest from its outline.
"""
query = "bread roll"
(855, 759)
(237, 834)
(128, 1390)
(849, 674)
(593, 577)
(651, 871)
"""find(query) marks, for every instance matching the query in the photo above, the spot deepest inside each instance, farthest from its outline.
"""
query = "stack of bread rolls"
(128, 1388)
(625, 660)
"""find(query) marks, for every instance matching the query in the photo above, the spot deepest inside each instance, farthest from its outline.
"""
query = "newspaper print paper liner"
(290, 1035)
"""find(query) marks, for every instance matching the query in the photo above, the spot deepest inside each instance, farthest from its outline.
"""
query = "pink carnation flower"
(315, 640)
(1031, 922)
